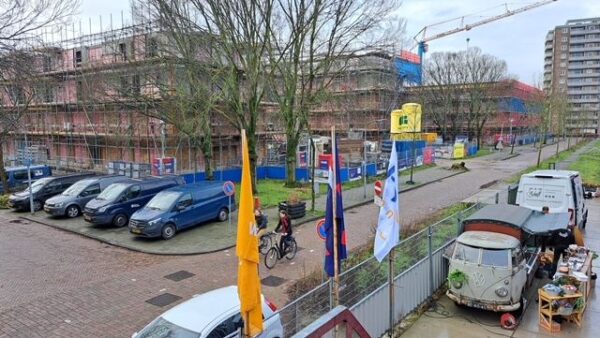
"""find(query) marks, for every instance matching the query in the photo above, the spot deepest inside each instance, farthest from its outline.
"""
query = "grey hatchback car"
(73, 200)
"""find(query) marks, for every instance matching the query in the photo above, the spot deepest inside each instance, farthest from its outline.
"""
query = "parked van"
(72, 201)
(181, 207)
(120, 200)
(43, 189)
(559, 190)
(17, 176)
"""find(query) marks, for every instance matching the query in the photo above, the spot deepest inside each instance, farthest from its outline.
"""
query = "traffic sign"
(378, 188)
(378, 196)
(321, 229)
(229, 188)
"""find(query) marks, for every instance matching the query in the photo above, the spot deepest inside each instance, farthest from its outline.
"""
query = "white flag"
(388, 225)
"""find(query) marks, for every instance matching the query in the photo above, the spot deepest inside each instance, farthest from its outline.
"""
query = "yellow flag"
(247, 251)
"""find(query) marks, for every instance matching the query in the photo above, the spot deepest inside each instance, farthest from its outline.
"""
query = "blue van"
(120, 200)
(181, 207)
(17, 176)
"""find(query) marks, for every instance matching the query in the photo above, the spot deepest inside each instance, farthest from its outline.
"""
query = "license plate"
(86, 217)
(46, 209)
(136, 231)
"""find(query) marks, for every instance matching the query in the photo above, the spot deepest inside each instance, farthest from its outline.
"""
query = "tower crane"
(424, 39)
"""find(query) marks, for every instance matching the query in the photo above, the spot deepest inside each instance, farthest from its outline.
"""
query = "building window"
(563, 64)
(563, 56)
(78, 58)
(123, 51)
(565, 30)
(152, 48)
(563, 47)
(563, 73)
(565, 39)
(561, 81)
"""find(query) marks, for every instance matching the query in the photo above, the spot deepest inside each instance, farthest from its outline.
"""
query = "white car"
(215, 314)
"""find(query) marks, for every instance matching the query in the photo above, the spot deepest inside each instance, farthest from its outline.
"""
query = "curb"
(125, 246)
(132, 248)
(509, 157)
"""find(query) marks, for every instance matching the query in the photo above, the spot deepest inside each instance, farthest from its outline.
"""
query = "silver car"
(71, 201)
(215, 314)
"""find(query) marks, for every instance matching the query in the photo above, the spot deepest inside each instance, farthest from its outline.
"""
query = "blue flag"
(339, 215)
(388, 225)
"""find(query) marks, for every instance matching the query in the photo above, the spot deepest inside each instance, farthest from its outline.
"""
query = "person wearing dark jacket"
(284, 226)
(261, 222)
(561, 240)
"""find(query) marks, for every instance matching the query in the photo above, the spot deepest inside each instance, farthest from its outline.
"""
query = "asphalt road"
(57, 284)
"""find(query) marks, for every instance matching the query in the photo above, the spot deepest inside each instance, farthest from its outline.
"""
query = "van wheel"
(72, 211)
(120, 220)
(168, 231)
(37, 205)
(223, 215)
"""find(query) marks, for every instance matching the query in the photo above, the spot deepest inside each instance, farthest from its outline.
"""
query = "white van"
(559, 190)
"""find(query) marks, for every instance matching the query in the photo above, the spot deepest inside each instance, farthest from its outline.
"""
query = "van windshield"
(163, 201)
(466, 253)
(76, 188)
(496, 258)
(112, 192)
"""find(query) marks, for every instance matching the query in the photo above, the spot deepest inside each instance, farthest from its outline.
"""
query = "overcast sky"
(518, 39)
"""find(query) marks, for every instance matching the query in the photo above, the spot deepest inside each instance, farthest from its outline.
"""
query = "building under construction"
(80, 119)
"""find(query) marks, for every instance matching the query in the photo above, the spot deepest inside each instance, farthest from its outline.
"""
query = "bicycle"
(266, 242)
(274, 254)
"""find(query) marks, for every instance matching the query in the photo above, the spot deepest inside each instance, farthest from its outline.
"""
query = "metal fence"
(418, 268)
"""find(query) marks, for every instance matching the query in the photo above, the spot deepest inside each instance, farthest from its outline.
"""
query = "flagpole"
(336, 268)
(391, 260)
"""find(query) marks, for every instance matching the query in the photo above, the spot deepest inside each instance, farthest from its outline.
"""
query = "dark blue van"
(181, 207)
(17, 176)
(120, 200)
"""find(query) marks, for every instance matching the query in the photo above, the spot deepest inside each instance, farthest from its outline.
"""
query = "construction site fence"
(419, 270)
(350, 170)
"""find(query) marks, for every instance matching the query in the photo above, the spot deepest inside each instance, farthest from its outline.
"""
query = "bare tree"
(461, 91)
(312, 43)
(238, 37)
(20, 23)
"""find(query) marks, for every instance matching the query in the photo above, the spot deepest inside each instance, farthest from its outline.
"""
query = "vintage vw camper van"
(495, 257)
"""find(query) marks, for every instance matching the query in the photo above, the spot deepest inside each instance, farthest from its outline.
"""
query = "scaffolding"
(80, 121)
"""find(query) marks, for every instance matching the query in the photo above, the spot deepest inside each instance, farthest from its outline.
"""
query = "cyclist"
(284, 227)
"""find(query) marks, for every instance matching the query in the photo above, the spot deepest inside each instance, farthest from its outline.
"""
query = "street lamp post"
(512, 139)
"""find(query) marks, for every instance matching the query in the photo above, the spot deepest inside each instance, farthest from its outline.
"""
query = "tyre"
(223, 215)
(120, 220)
(37, 205)
(168, 231)
(584, 221)
(265, 244)
(72, 211)
(271, 258)
(291, 249)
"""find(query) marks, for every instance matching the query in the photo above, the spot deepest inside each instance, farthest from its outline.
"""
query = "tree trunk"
(252, 142)
(3, 171)
(557, 148)
(290, 161)
(208, 157)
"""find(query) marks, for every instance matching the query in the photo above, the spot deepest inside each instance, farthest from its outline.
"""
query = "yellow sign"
(459, 150)
(407, 119)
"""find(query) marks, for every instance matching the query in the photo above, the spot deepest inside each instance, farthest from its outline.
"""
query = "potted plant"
(294, 206)
(457, 279)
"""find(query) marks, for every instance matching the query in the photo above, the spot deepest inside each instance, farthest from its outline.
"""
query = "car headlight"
(457, 285)
(502, 291)
(103, 209)
(59, 205)
(154, 221)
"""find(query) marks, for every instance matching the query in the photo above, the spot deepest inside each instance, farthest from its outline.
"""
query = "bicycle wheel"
(292, 247)
(271, 258)
(265, 244)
